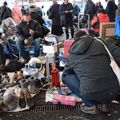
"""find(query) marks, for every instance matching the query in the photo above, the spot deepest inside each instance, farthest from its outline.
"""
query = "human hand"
(71, 11)
(66, 11)
(27, 42)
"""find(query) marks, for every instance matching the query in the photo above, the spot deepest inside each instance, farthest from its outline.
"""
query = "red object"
(67, 44)
(102, 18)
(55, 76)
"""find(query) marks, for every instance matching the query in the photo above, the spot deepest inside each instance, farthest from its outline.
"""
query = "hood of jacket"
(81, 46)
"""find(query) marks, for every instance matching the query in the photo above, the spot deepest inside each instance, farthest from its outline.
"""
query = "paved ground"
(48, 111)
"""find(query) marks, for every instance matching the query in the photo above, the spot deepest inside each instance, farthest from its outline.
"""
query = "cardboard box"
(107, 29)
(50, 49)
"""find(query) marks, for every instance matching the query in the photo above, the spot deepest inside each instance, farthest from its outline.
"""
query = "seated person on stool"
(29, 32)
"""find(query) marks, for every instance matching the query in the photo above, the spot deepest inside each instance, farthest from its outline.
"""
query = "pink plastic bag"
(63, 99)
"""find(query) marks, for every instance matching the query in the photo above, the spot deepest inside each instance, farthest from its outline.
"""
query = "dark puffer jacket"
(22, 30)
(91, 63)
(90, 9)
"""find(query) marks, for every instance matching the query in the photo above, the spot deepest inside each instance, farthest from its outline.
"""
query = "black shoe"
(105, 107)
(88, 110)
(22, 102)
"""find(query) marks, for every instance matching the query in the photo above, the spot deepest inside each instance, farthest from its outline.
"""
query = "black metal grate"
(51, 107)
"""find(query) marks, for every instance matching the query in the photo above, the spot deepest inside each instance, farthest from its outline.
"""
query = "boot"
(32, 85)
(24, 88)
(22, 102)
(11, 101)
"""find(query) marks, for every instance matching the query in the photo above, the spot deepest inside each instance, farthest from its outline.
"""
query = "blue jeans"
(25, 54)
(2, 56)
(73, 84)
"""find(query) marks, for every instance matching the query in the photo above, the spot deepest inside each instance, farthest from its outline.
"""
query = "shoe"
(2, 69)
(88, 110)
(22, 102)
(6, 80)
(11, 101)
(15, 75)
(44, 82)
(20, 75)
(32, 85)
(24, 61)
(105, 107)
(29, 99)
(24, 89)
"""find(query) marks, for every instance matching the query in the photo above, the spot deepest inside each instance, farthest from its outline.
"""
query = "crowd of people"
(87, 72)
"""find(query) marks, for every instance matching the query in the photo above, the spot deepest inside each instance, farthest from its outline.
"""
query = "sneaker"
(88, 110)
(105, 107)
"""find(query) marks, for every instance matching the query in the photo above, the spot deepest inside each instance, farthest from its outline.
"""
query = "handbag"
(113, 63)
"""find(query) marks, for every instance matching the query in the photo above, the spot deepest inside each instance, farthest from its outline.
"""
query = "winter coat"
(90, 9)
(91, 63)
(66, 16)
(22, 30)
(111, 10)
(5, 13)
(16, 13)
(117, 26)
(37, 17)
(100, 18)
(53, 13)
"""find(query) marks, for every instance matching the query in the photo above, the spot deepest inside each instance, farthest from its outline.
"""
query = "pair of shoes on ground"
(95, 108)
(18, 76)
(25, 97)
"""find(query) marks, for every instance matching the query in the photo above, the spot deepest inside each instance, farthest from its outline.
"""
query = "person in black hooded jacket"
(53, 14)
(5, 12)
(88, 72)
(111, 10)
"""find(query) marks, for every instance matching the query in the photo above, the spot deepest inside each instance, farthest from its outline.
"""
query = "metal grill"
(51, 107)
